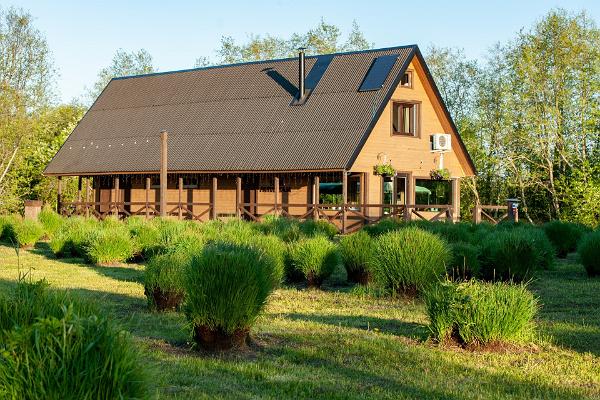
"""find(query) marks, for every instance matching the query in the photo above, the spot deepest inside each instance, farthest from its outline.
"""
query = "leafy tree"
(123, 64)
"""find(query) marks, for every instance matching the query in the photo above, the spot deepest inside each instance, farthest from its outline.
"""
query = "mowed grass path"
(338, 344)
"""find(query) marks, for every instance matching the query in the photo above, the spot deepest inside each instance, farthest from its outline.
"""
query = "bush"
(451, 232)
(27, 232)
(384, 226)
(51, 221)
(286, 229)
(164, 280)
(273, 248)
(564, 236)
(7, 227)
(464, 264)
(315, 258)
(510, 255)
(109, 246)
(312, 228)
(588, 253)
(479, 313)
(70, 239)
(53, 348)
(227, 286)
(408, 260)
(357, 254)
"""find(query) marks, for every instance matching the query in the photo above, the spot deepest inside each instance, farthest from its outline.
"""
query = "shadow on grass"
(121, 273)
(391, 326)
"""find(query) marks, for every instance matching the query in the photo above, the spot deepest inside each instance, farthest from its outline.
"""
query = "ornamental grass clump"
(407, 261)
(109, 246)
(7, 227)
(357, 254)
(52, 347)
(227, 287)
(272, 247)
(51, 221)
(70, 239)
(286, 229)
(588, 253)
(510, 254)
(315, 258)
(312, 228)
(564, 236)
(477, 313)
(164, 280)
(27, 232)
(384, 226)
(464, 264)
(451, 232)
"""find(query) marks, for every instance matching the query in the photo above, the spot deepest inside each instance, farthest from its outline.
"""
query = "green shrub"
(510, 254)
(109, 246)
(7, 227)
(227, 286)
(70, 239)
(451, 232)
(479, 313)
(408, 260)
(312, 228)
(357, 254)
(464, 264)
(273, 248)
(546, 252)
(384, 226)
(53, 348)
(27, 232)
(564, 236)
(50, 220)
(164, 280)
(286, 229)
(588, 253)
(316, 258)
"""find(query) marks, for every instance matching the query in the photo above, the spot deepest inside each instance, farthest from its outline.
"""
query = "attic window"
(405, 118)
(407, 79)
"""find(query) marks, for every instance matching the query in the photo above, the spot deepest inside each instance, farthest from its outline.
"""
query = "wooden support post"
(455, 199)
(276, 192)
(117, 197)
(213, 199)
(238, 197)
(394, 197)
(316, 195)
(365, 193)
(513, 209)
(477, 214)
(59, 195)
(344, 199)
(361, 197)
(163, 173)
(148, 182)
(79, 185)
(87, 196)
(180, 195)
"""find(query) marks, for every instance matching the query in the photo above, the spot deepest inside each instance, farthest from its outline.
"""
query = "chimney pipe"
(301, 90)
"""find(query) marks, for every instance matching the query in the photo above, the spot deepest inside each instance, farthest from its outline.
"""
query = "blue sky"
(84, 35)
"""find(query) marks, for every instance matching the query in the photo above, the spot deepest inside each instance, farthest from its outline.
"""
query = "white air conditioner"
(441, 142)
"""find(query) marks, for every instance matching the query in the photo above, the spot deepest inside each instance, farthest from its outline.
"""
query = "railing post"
(163, 172)
(148, 197)
(213, 199)
(59, 195)
(344, 198)
(87, 197)
(79, 184)
(477, 214)
(455, 199)
(316, 195)
(117, 196)
(238, 197)
(179, 196)
(276, 187)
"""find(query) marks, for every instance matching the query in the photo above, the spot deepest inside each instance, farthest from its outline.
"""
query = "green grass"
(338, 344)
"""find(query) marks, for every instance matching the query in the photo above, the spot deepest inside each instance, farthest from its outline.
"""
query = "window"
(428, 191)
(405, 119)
(407, 79)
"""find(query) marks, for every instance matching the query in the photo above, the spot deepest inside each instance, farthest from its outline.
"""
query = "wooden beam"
(180, 196)
(213, 199)
(317, 183)
(455, 199)
(365, 192)
(87, 196)
(163, 172)
(344, 199)
(79, 185)
(238, 196)
(59, 194)
(117, 196)
(276, 192)
(148, 183)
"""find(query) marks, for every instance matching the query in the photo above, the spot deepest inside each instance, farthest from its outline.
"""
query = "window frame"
(417, 118)
(410, 74)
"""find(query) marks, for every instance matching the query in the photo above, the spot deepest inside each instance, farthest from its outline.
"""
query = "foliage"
(108, 246)
(166, 273)
(27, 232)
(331, 198)
(384, 170)
(564, 236)
(315, 258)
(479, 313)
(50, 220)
(588, 253)
(72, 236)
(312, 228)
(357, 254)
(384, 226)
(44, 332)
(7, 230)
(410, 259)
(286, 229)
(465, 262)
(227, 286)
(440, 174)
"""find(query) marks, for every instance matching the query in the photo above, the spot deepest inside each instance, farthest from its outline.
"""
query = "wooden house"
(252, 139)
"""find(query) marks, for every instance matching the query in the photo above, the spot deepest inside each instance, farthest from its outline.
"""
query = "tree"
(123, 64)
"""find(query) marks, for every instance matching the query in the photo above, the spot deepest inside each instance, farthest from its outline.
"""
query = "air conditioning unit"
(441, 142)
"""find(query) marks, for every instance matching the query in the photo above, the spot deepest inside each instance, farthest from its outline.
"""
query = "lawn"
(339, 343)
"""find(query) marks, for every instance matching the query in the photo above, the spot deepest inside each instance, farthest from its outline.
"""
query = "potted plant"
(384, 170)
(441, 174)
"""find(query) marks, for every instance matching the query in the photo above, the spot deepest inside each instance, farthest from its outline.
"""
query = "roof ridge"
(343, 53)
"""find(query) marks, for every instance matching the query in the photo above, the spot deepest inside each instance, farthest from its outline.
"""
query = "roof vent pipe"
(301, 90)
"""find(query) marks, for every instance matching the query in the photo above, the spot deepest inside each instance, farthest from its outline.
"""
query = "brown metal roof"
(230, 118)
